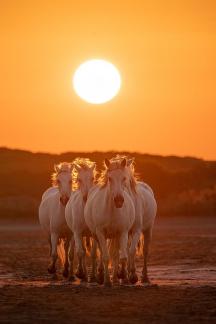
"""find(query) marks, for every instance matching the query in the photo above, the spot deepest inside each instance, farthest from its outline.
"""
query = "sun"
(97, 81)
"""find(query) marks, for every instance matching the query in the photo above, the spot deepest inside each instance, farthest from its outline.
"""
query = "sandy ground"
(182, 269)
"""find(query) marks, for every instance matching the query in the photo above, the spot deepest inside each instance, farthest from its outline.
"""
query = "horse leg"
(54, 256)
(147, 241)
(116, 267)
(94, 262)
(133, 278)
(50, 245)
(105, 256)
(85, 276)
(66, 265)
(80, 254)
(123, 242)
(100, 270)
(71, 276)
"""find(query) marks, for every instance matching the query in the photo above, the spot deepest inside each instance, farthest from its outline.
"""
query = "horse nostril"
(85, 198)
(64, 200)
(119, 200)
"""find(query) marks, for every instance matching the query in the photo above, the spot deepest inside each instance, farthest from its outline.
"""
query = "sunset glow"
(164, 51)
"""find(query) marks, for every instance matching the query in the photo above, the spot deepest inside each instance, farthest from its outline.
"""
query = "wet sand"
(182, 268)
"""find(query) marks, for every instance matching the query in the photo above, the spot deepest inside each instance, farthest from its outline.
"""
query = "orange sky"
(165, 51)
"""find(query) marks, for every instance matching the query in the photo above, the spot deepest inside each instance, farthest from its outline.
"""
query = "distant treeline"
(182, 185)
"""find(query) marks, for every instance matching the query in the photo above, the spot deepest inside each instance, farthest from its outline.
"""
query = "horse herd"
(110, 214)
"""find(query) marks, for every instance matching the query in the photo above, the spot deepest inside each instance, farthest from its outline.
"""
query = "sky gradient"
(164, 50)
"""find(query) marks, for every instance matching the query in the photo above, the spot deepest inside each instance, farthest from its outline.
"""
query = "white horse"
(52, 215)
(146, 209)
(84, 174)
(149, 214)
(109, 213)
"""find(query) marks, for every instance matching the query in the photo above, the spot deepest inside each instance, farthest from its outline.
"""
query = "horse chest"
(58, 223)
(113, 226)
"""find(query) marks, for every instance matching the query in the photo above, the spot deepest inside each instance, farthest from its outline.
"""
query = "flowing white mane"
(82, 164)
(115, 163)
(61, 167)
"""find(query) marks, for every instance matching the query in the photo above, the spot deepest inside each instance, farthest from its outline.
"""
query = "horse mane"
(61, 167)
(84, 164)
(115, 163)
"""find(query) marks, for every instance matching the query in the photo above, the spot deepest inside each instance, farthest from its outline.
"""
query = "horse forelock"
(61, 167)
(82, 164)
(115, 163)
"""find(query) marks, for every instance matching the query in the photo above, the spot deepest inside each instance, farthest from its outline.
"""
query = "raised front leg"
(133, 278)
(54, 256)
(105, 256)
(147, 241)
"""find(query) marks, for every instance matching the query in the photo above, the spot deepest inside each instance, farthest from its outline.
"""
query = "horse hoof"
(65, 273)
(116, 282)
(80, 274)
(92, 279)
(107, 284)
(54, 276)
(71, 278)
(133, 278)
(51, 270)
(125, 281)
(145, 280)
(100, 279)
(120, 274)
(84, 278)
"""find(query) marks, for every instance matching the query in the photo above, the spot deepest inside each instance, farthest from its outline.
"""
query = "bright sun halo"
(97, 81)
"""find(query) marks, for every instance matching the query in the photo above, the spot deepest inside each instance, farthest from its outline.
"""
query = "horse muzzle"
(64, 200)
(118, 200)
(85, 198)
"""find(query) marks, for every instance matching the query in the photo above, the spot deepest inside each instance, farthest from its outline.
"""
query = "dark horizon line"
(104, 152)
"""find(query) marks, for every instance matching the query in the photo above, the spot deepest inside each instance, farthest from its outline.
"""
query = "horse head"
(85, 175)
(116, 179)
(63, 180)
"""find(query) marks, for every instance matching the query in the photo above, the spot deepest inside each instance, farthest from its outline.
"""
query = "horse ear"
(130, 161)
(77, 167)
(56, 168)
(123, 163)
(107, 163)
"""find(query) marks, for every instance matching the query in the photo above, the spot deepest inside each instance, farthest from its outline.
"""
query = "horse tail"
(61, 251)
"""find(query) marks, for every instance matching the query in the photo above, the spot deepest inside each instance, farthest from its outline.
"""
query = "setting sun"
(97, 81)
